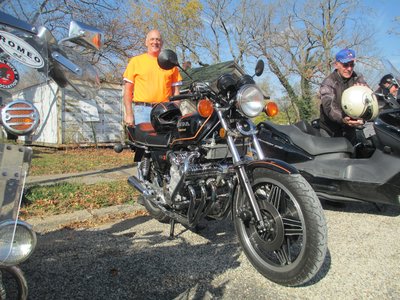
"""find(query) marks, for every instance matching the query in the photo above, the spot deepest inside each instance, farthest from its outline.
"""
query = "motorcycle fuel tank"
(193, 127)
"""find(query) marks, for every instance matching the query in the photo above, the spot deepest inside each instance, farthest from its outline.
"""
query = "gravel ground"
(134, 259)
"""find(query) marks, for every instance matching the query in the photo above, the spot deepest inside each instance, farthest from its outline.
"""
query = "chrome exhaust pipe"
(135, 183)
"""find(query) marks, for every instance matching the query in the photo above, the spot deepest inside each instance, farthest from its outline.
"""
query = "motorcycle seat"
(146, 135)
(314, 145)
(307, 128)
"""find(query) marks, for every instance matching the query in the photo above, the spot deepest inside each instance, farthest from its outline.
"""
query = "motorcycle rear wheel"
(293, 248)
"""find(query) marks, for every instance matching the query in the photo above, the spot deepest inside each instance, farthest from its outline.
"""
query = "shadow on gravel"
(362, 208)
(120, 263)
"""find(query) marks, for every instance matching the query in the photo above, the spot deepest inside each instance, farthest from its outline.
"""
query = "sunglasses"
(348, 64)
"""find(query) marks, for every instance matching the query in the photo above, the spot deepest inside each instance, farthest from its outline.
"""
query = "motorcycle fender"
(275, 165)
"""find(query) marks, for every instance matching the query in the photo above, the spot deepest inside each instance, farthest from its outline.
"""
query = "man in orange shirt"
(146, 83)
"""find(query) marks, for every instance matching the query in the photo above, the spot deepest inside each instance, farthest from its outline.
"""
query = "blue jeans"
(141, 113)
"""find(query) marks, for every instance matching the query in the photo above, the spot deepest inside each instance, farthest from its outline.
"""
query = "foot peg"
(140, 200)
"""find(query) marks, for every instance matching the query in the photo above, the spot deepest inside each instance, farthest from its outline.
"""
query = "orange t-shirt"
(150, 83)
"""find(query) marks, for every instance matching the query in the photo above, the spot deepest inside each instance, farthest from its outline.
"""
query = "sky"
(389, 44)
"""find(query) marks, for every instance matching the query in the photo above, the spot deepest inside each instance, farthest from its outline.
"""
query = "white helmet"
(359, 101)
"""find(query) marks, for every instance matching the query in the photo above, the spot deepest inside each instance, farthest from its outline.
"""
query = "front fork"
(241, 169)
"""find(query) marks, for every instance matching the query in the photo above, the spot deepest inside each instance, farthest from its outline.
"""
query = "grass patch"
(51, 161)
(68, 197)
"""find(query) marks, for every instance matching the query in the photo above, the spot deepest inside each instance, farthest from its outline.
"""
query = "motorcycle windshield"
(23, 65)
(34, 65)
(377, 71)
(211, 73)
(22, 62)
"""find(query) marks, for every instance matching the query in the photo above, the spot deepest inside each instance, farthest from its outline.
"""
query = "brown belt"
(144, 104)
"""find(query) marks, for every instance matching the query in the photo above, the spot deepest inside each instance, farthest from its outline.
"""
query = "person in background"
(332, 118)
(146, 84)
(387, 93)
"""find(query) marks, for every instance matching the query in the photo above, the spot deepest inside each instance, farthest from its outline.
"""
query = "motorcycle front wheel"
(13, 284)
(293, 247)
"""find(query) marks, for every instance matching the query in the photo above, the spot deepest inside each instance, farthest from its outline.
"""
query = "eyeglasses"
(348, 64)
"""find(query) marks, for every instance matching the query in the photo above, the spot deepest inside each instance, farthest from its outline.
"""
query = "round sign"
(20, 50)
(9, 76)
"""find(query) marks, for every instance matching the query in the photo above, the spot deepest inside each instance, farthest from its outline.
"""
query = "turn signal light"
(20, 117)
(271, 109)
(222, 133)
(205, 108)
(96, 40)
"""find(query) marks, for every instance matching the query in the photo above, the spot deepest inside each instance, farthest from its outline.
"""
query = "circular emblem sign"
(9, 76)
(20, 50)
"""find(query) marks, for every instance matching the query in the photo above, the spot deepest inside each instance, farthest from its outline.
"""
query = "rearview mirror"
(84, 35)
(259, 67)
(167, 59)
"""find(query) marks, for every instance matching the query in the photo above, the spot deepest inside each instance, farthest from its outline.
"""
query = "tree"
(297, 39)
(395, 29)
(120, 37)
(178, 20)
(225, 34)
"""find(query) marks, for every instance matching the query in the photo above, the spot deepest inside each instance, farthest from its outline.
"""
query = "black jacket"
(331, 113)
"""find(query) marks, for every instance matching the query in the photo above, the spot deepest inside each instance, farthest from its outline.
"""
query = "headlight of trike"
(250, 100)
(17, 242)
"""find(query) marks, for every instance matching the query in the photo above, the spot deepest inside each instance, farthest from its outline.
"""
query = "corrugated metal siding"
(66, 118)
(44, 97)
(95, 120)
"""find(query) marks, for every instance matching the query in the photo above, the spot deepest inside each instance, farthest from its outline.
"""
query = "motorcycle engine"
(210, 183)
(174, 177)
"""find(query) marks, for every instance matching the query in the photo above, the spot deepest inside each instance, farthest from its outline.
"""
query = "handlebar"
(181, 97)
(189, 96)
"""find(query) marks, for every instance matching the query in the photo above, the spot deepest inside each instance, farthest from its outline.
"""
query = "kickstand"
(172, 229)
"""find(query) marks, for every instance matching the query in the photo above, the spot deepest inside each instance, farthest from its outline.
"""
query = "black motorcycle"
(338, 171)
(28, 55)
(209, 164)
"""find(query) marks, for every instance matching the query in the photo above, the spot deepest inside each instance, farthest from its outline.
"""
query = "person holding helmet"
(146, 84)
(388, 92)
(333, 119)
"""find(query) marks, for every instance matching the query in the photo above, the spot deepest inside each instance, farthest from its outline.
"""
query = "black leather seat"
(145, 134)
(314, 145)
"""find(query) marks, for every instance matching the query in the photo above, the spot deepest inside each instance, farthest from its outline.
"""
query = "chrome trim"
(9, 20)
(67, 63)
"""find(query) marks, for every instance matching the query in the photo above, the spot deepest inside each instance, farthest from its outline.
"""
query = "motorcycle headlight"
(16, 242)
(250, 100)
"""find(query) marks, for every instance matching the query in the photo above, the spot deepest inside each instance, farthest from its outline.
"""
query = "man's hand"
(127, 98)
(353, 122)
(129, 120)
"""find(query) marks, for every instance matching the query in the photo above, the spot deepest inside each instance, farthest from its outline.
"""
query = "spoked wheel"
(153, 210)
(291, 248)
(13, 284)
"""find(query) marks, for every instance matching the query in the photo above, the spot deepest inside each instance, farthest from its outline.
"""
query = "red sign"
(9, 76)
